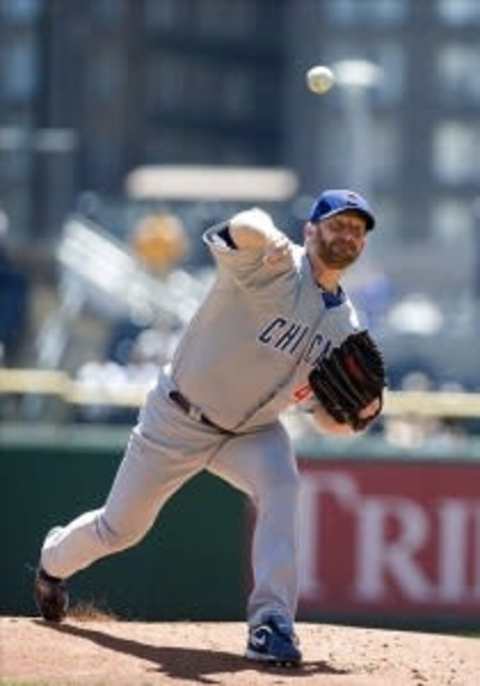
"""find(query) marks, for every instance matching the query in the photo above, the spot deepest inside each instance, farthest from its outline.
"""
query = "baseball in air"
(320, 79)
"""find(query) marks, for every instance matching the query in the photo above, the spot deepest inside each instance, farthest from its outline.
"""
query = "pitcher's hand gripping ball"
(351, 378)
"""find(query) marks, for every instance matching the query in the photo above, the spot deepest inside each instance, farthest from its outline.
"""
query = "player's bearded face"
(339, 240)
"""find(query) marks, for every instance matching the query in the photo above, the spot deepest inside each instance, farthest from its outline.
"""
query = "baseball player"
(260, 342)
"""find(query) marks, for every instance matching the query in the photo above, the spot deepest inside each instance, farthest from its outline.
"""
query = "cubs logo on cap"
(333, 202)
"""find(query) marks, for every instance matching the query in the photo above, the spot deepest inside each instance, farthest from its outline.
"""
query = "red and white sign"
(390, 538)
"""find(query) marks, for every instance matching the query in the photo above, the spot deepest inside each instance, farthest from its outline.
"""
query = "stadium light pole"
(356, 77)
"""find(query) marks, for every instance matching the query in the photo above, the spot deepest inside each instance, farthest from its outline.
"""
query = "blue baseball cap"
(336, 201)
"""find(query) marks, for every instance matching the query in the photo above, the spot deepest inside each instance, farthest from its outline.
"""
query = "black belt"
(192, 411)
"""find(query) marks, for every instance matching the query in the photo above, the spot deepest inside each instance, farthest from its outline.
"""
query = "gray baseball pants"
(167, 448)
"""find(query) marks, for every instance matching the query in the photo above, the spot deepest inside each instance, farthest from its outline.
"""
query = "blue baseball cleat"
(273, 642)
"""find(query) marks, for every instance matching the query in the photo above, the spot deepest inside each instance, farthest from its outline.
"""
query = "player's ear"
(308, 230)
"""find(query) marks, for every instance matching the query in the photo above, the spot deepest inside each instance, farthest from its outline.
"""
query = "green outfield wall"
(194, 562)
(190, 565)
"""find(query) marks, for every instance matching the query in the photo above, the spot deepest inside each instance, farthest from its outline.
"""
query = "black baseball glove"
(350, 379)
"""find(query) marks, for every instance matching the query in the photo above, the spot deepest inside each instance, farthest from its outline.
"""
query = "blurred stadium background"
(129, 126)
(99, 99)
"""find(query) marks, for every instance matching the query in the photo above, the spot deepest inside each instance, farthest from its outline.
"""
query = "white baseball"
(320, 79)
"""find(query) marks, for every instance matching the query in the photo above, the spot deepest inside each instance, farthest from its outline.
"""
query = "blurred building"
(91, 89)
(421, 123)
(132, 82)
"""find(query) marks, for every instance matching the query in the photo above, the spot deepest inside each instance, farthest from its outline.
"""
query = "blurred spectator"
(160, 242)
(413, 430)
(137, 345)
(418, 314)
(14, 293)
(373, 293)
(153, 348)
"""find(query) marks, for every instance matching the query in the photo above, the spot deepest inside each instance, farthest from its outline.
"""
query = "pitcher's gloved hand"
(350, 379)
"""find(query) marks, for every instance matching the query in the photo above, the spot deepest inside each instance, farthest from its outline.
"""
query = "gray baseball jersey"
(247, 353)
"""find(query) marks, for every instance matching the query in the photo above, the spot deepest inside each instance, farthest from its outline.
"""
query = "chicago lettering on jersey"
(287, 336)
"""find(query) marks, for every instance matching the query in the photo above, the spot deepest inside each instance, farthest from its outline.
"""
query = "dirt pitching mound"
(92, 650)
